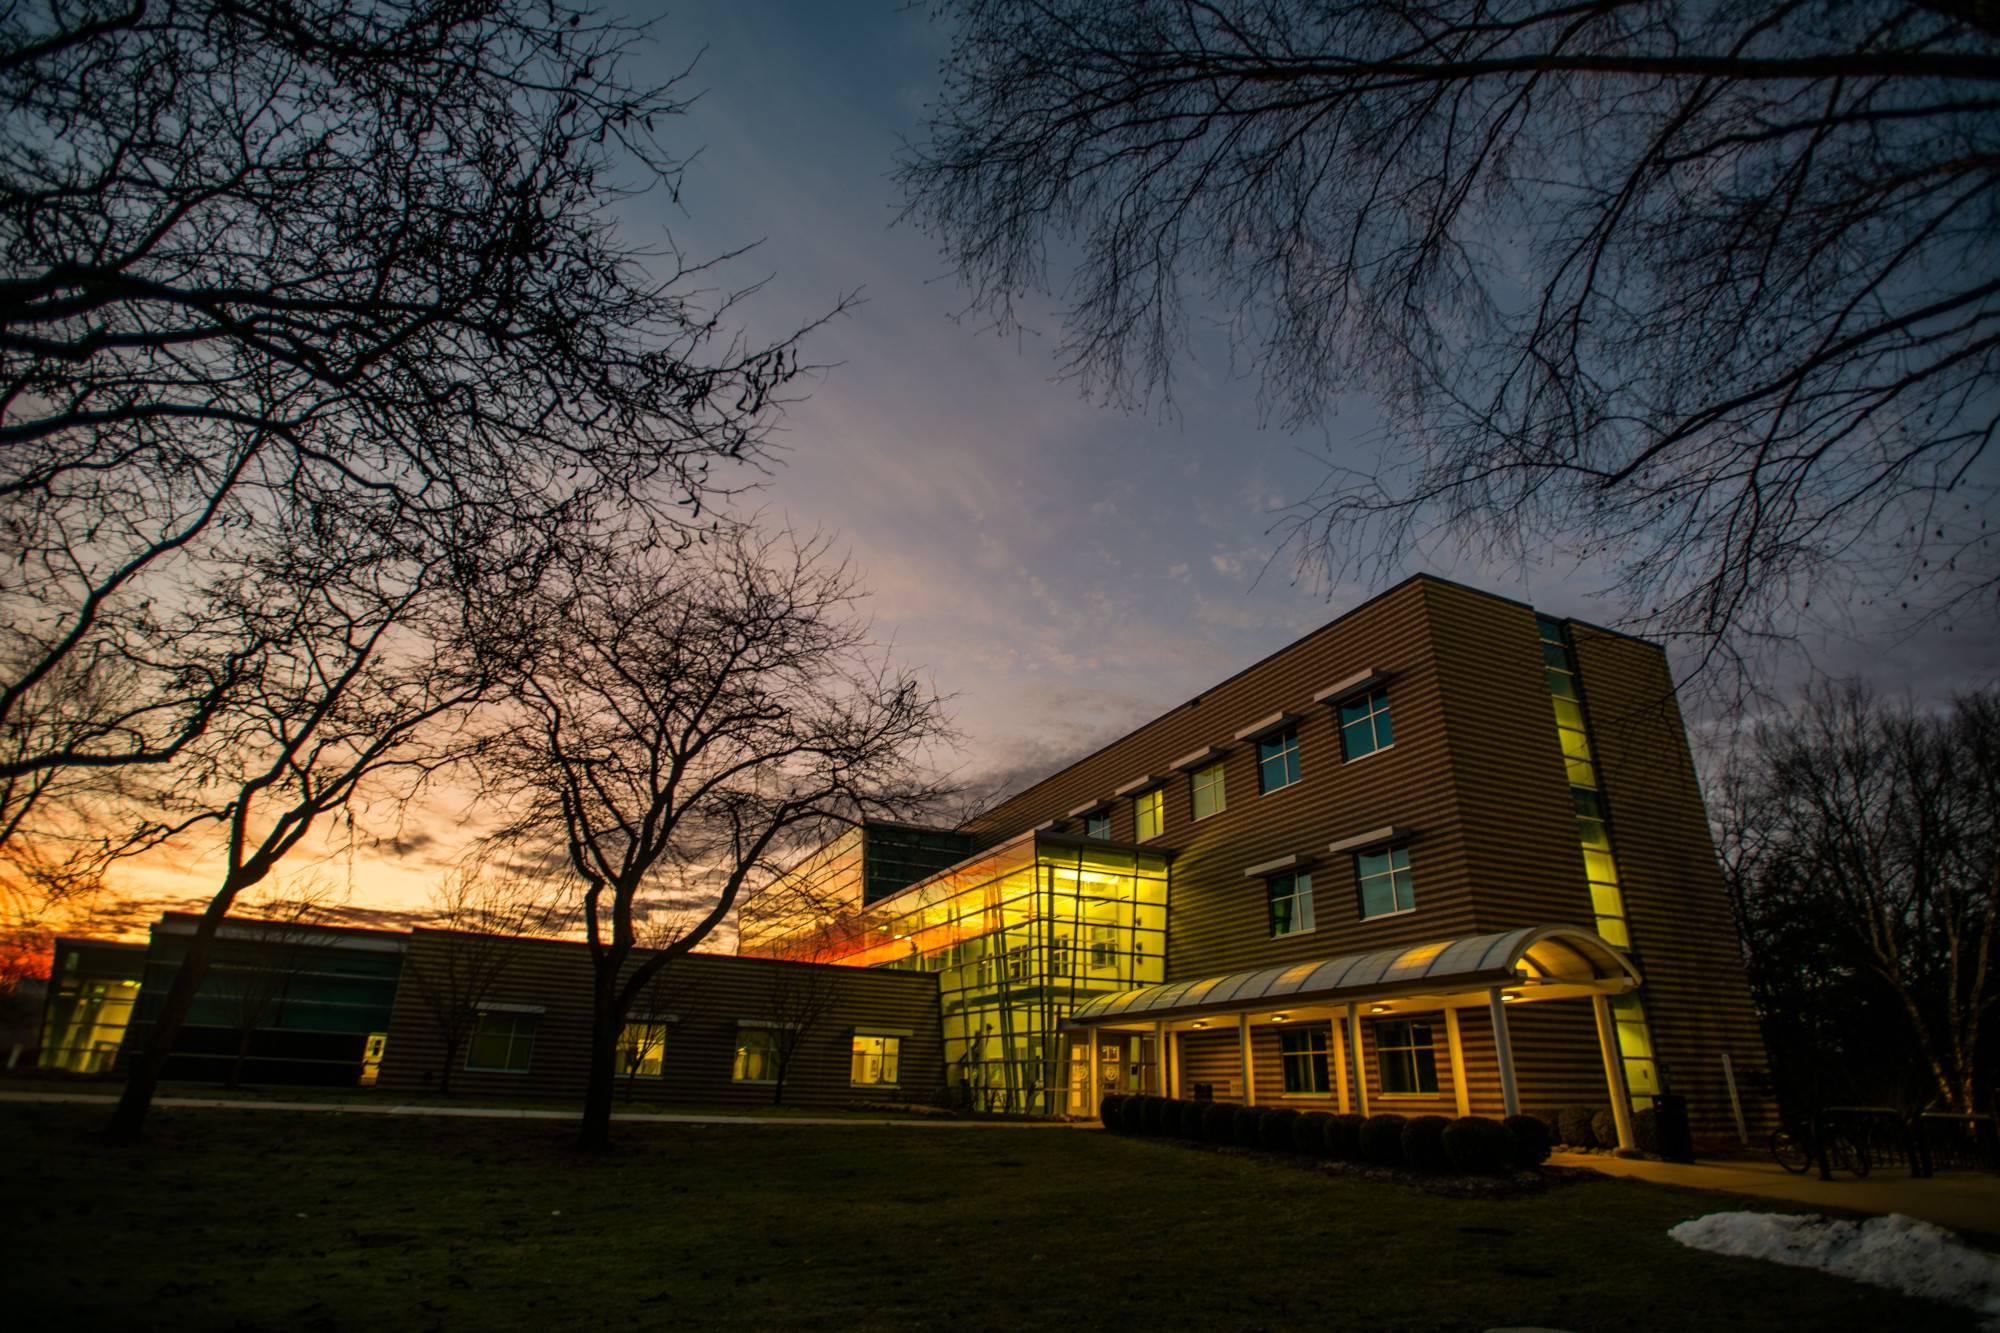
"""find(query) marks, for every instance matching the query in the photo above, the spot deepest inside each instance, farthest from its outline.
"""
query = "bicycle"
(1835, 1150)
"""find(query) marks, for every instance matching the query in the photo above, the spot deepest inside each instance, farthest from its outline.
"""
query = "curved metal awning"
(1562, 955)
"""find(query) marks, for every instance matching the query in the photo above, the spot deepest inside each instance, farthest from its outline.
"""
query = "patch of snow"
(1896, 1252)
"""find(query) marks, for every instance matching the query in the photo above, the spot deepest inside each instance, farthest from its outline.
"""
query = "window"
(1097, 825)
(1291, 904)
(1103, 947)
(1149, 814)
(875, 1060)
(502, 1041)
(1278, 760)
(642, 1050)
(1305, 1060)
(1385, 882)
(1364, 725)
(1404, 1055)
(1209, 797)
(756, 1056)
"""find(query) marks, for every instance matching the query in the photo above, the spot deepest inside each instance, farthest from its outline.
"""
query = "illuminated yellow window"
(756, 1056)
(875, 1060)
(642, 1049)
(1149, 814)
(1209, 795)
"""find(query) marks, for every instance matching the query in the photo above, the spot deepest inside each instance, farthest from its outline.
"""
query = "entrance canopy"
(1538, 962)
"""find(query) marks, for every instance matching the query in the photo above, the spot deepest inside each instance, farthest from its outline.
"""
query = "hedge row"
(1426, 1143)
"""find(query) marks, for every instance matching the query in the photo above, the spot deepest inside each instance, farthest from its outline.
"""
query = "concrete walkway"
(505, 1113)
(1960, 1200)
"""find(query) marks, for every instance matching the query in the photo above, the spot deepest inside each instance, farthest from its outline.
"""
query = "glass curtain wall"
(1019, 937)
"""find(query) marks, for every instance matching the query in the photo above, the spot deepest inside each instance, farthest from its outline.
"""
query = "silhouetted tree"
(1707, 292)
(1862, 841)
(688, 722)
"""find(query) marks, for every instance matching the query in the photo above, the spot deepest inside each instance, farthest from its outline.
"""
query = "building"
(1443, 854)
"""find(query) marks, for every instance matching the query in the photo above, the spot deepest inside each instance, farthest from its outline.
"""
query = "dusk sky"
(1063, 569)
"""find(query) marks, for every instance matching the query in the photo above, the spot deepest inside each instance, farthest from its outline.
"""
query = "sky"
(1062, 570)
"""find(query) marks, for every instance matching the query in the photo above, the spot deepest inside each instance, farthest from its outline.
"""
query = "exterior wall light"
(1278, 1018)
(1201, 1022)
(1378, 1008)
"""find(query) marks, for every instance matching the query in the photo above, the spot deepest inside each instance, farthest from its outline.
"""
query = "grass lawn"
(272, 1220)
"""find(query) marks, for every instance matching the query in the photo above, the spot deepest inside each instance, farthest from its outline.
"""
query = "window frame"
(514, 1018)
(736, 1066)
(1391, 870)
(889, 1059)
(1367, 699)
(1300, 895)
(1155, 800)
(1097, 824)
(1410, 1047)
(1286, 740)
(1316, 1059)
(1219, 784)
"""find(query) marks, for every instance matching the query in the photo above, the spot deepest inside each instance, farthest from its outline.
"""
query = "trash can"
(1670, 1112)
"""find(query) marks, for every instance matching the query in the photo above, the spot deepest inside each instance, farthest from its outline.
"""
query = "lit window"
(1278, 760)
(756, 1056)
(1364, 725)
(1103, 947)
(1149, 814)
(1403, 1054)
(1209, 797)
(1385, 882)
(875, 1061)
(1097, 825)
(1305, 1060)
(502, 1042)
(1291, 898)
(642, 1050)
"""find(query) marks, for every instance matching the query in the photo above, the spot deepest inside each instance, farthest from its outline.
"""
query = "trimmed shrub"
(1646, 1131)
(1343, 1137)
(1531, 1138)
(1218, 1122)
(1575, 1123)
(1423, 1143)
(1248, 1127)
(1277, 1128)
(1479, 1146)
(1309, 1133)
(1381, 1140)
(1552, 1122)
(1187, 1119)
(1604, 1127)
(1108, 1111)
(1153, 1115)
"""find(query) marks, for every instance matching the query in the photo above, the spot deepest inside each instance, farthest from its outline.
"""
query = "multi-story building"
(1442, 854)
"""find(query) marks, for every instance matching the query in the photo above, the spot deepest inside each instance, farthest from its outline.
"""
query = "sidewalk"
(1960, 1200)
(501, 1113)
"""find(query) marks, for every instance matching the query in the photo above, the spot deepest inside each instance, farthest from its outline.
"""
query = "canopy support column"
(1340, 1065)
(1354, 1056)
(1244, 1061)
(1162, 1084)
(1096, 1074)
(1614, 1071)
(1460, 1093)
(1503, 1047)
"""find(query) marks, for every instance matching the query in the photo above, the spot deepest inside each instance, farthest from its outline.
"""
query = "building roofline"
(1272, 656)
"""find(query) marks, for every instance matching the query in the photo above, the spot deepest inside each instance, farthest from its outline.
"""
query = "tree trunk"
(144, 1080)
(450, 1061)
(594, 1133)
(235, 1079)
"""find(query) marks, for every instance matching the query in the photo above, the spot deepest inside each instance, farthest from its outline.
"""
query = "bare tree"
(261, 255)
(1708, 293)
(483, 912)
(1862, 840)
(687, 723)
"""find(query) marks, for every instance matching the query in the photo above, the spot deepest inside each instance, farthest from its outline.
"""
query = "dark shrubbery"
(1423, 1143)
(1552, 1122)
(1474, 1144)
(1604, 1128)
(1343, 1137)
(1188, 1118)
(1575, 1123)
(1248, 1125)
(1309, 1133)
(1646, 1131)
(1531, 1138)
(1218, 1123)
(1276, 1131)
(1108, 1109)
(1382, 1140)
(1153, 1115)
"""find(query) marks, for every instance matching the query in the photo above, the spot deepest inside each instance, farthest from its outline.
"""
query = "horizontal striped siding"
(709, 993)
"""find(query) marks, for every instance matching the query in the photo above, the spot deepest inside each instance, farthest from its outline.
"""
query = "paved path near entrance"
(1961, 1200)
(505, 1113)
